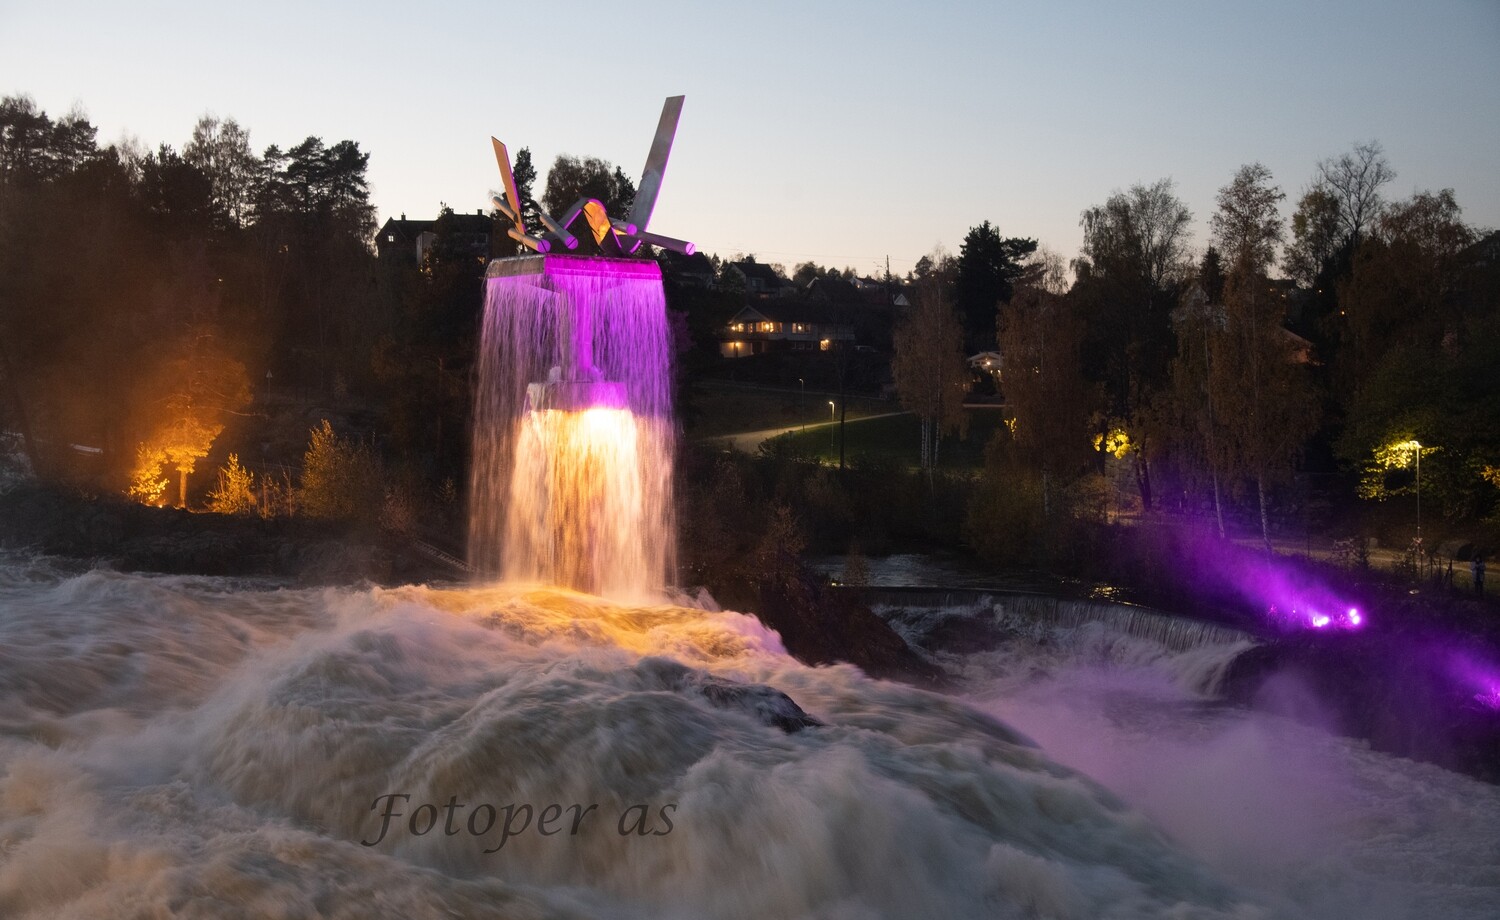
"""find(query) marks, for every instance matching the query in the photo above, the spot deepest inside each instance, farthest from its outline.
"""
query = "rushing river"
(203, 747)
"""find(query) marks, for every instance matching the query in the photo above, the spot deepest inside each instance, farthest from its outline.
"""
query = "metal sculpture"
(613, 237)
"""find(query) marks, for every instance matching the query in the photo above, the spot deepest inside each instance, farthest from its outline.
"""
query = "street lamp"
(1419, 490)
(801, 401)
(833, 428)
(1415, 446)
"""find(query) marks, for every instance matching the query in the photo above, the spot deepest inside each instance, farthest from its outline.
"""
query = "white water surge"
(206, 748)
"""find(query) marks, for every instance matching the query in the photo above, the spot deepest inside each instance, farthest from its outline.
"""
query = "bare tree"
(1145, 228)
(1354, 181)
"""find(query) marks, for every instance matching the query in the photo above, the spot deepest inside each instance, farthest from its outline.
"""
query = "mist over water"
(1308, 823)
(212, 748)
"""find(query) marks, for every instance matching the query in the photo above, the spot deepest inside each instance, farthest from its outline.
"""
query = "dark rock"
(134, 537)
(963, 634)
(819, 625)
(1398, 689)
(764, 703)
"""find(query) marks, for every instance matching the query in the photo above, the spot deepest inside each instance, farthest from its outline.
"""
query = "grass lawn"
(723, 410)
(895, 439)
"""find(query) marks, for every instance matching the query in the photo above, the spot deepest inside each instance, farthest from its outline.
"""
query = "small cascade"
(1174, 632)
(1177, 633)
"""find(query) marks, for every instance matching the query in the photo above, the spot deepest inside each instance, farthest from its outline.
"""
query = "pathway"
(750, 441)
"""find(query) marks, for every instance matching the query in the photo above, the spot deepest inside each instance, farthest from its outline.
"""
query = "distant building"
(765, 328)
(833, 289)
(988, 362)
(762, 281)
(401, 238)
(696, 270)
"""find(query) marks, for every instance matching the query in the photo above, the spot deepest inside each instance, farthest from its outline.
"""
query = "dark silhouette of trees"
(1049, 401)
(220, 151)
(1416, 340)
(1128, 280)
(1262, 402)
(988, 266)
(140, 292)
(1353, 182)
(572, 178)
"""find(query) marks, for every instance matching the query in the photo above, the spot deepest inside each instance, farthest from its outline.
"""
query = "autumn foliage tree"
(1261, 405)
(1129, 275)
(1041, 338)
(341, 478)
(929, 367)
(186, 402)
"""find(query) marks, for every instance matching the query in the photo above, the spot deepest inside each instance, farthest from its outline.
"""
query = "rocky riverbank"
(133, 537)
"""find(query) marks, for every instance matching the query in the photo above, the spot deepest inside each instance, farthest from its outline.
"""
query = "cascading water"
(201, 747)
(573, 438)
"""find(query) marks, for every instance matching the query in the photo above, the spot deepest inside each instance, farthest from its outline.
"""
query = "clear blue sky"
(838, 132)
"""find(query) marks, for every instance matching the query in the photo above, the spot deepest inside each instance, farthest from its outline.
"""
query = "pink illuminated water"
(573, 436)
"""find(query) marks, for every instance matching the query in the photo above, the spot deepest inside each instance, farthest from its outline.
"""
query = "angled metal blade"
(598, 222)
(656, 163)
(502, 156)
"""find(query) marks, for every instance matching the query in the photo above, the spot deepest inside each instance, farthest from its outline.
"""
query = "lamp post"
(833, 427)
(1419, 490)
(1416, 447)
(801, 400)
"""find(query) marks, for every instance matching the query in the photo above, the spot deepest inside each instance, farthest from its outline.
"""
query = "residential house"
(784, 326)
(762, 281)
(696, 270)
(400, 238)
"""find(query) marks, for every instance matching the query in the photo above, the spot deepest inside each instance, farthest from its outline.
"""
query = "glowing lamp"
(1319, 621)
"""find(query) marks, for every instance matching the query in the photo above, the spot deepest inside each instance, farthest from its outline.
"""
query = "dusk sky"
(842, 133)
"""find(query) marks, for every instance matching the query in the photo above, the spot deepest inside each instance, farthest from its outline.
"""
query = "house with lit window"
(402, 238)
(771, 326)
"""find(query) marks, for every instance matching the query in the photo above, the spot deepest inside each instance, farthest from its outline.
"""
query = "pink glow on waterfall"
(573, 436)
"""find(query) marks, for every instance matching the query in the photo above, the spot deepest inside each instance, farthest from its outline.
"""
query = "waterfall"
(573, 436)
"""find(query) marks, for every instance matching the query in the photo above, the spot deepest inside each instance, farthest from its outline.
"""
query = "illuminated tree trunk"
(1218, 506)
(1265, 520)
(1143, 480)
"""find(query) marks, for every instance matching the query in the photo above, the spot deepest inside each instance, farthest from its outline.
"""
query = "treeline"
(162, 308)
(1284, 363)
(147, 295)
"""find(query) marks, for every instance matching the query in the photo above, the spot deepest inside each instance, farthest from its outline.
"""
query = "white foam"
(214, 749)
